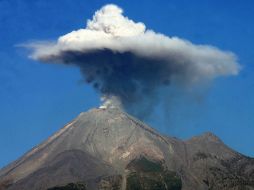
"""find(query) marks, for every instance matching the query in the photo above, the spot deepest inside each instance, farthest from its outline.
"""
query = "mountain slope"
(99, 147)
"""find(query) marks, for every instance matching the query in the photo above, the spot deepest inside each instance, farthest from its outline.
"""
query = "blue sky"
(37, 99)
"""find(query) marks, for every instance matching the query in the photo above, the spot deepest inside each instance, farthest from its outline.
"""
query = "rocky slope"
(109, 149)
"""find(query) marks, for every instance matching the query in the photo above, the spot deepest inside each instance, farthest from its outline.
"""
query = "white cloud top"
(109, 29)
(114, 48)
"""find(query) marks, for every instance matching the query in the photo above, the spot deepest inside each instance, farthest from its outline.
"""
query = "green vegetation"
(110, 183)
(172, 180)
(144, 165)
(150, 175)
(143, 174)
(71, 186)
(133, 182)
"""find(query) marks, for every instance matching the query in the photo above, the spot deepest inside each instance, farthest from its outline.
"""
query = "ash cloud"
(122, 59)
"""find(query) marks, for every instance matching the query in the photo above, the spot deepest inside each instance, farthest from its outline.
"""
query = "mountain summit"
(110, 150)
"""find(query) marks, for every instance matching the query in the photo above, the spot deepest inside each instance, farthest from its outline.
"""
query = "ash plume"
(120, 58)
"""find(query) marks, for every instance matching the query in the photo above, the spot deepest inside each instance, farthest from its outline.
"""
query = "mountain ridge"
(112, 139)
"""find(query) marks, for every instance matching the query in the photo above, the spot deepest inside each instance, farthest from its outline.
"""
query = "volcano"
(108, 149)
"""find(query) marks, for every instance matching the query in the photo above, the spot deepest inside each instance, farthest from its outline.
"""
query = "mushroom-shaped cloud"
(123, 59)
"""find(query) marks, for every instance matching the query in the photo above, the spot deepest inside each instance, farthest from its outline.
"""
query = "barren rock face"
(97, 148)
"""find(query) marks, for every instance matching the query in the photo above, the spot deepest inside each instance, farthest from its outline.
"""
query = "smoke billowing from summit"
(124, 60)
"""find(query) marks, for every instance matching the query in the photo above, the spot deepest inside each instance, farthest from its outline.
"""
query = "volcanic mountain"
(110, 150)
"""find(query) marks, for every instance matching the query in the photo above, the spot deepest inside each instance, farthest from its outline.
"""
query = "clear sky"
(37, 99)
